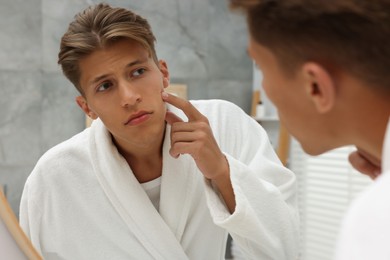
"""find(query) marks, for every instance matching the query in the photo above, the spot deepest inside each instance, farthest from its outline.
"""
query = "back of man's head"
(348, 35)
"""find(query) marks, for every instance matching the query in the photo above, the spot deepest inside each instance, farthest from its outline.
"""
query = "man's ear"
(165, 73)
(82, 103)
(320, 86)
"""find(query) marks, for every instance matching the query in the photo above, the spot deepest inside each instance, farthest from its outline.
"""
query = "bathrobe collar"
(160, 233)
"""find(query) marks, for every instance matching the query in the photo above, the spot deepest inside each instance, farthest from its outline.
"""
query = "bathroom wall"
(203, 43)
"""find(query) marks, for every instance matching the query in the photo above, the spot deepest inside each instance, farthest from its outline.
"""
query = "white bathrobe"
(82, 201)
(365, 232)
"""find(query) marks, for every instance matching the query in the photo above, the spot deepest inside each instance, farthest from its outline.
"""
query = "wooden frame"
(283, 144)
(284, 137)
(10, 221)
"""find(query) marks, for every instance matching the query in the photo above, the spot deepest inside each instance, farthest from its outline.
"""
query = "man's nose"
(129, 95)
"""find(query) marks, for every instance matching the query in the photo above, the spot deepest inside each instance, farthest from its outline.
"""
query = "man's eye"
(138, 72)
(104, 86)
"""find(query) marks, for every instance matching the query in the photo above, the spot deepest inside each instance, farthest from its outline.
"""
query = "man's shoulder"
(213, 103)
(366, 228)
(72, 148)
(216, 106)
(372, 205)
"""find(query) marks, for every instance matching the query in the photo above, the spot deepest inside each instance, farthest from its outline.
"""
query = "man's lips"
(138, 118)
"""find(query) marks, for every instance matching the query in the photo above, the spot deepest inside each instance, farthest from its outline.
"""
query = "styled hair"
(97, 27)
(352, 35)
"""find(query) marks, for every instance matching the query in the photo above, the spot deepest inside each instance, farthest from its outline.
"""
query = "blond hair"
(97, 27)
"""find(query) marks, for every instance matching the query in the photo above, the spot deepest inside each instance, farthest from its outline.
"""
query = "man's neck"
(146, 168)
(144, 161)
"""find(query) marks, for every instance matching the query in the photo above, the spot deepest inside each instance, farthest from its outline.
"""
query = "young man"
(326, 67)
(134, 187)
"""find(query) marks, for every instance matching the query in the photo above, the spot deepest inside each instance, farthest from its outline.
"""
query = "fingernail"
(164, 95)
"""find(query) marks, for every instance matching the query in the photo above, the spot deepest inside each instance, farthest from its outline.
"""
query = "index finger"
(363, 165)
(371, 158)
(189, 110)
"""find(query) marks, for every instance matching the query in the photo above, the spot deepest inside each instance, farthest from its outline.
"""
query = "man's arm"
(196, 138)
(265, 220)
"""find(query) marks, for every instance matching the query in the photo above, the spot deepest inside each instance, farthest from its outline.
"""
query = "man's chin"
(313, 150)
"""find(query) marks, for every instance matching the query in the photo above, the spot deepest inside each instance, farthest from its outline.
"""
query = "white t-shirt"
(152, 189)
(365, 232)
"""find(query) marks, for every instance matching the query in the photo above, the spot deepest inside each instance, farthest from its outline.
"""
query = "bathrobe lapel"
(130, 200)
(178, 188)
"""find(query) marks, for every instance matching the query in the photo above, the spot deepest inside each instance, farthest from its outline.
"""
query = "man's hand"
(196, 138)
(365, 163)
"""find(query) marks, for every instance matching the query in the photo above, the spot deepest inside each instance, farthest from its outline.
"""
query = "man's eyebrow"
(97, 79)
(136, 62)
(131, 64)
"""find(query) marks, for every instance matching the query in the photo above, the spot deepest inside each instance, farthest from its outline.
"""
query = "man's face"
(294, 105)
(122, 86)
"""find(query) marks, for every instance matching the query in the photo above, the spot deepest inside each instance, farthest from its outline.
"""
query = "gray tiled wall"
(203, 43)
